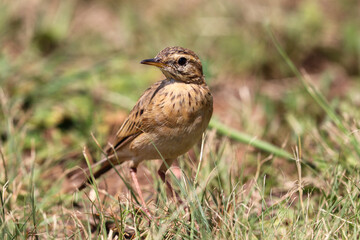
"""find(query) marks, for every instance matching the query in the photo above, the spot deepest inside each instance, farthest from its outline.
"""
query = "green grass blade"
(248, 139)
(315, 94)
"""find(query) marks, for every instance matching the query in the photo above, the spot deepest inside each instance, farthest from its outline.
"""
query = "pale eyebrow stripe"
(177, 56)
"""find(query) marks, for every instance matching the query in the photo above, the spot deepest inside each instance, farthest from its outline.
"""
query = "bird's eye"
(182, 61)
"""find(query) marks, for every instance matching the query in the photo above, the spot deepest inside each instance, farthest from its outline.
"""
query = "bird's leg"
(162, 171)
(138, 190)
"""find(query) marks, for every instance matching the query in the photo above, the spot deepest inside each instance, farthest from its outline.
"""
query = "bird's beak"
(154, 62)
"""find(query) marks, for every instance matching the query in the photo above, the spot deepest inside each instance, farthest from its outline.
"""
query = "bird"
(167, 120)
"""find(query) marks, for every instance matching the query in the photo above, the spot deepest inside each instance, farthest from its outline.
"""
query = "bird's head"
(178, 63)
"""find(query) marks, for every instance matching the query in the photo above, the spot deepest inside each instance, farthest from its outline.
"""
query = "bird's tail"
(81, 179)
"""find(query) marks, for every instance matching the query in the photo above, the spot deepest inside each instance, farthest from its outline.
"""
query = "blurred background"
(70, 68)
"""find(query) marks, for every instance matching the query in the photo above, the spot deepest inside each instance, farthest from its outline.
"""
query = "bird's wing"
(135, 124)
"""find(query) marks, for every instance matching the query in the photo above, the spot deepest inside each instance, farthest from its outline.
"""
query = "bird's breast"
(183, 105)
(182, 114)
(178, 115)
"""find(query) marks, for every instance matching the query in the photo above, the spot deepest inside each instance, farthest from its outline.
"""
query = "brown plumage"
(167, 120)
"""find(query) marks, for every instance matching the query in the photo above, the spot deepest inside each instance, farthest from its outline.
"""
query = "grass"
(285, 83)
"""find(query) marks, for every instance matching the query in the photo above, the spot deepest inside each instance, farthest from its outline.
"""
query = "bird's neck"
(195, 80)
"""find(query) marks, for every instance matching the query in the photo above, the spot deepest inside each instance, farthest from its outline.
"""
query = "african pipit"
(167, 120)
